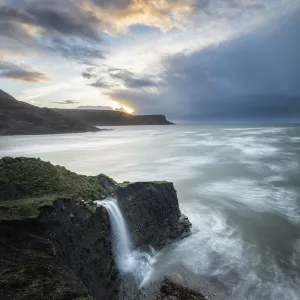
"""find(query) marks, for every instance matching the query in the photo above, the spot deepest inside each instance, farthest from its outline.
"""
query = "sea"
(238, 184)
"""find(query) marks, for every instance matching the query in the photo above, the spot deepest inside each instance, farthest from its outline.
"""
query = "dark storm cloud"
(53, 16)
(131, 80)
(59, 26)
(66, 102)
(11, 29)
(256, 75)
(13, 71)
(9, 14)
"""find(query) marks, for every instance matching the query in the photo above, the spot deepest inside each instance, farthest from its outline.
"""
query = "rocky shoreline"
(65, 250)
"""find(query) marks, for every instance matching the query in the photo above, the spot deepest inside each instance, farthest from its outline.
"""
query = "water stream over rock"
(136, 262)
(121, 238)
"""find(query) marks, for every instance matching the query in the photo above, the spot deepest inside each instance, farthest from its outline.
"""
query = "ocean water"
(240, 187)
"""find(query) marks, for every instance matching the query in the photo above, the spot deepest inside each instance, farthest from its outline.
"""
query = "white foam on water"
(218, 249)
(215, 249)
(186, 160)
(295, 139)
(73, 144)
(172, 168)
(204, 140)
(256, 195)
(143, 263)
(249, 146)
(242, 129)
(295, 259)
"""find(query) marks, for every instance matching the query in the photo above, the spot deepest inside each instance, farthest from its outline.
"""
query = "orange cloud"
(163, 14)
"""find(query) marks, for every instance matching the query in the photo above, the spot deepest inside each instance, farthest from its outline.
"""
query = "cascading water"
(121, 239)
(128, 260)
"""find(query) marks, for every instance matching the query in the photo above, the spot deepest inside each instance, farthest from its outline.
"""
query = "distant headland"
(18, 118)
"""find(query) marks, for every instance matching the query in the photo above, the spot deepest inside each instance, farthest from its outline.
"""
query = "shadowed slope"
(17, 117)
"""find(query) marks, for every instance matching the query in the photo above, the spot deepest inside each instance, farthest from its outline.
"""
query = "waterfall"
(138, 263)
(121, 239)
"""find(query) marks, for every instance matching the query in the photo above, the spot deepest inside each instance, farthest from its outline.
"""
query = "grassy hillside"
(17, 117)
(29, 183)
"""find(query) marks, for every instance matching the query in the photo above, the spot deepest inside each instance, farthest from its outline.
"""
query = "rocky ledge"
(56, 244)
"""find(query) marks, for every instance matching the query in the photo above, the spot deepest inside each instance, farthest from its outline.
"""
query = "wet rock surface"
(173, 291)
(152, 213)
(178, 283)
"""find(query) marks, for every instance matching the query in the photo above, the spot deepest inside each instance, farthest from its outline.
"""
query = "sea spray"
(128, 260)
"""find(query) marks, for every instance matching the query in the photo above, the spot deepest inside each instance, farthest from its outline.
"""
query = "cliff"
(63, 247)
(65, 253)
(17, 117)
(152, 213)
(113, 118)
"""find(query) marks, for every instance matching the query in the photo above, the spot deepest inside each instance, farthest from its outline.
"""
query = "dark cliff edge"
(113, 118)
(17, 118)
(56, 244)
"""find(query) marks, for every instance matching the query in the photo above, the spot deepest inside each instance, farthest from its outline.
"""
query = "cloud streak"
(66, 102)
(11, 70)
(132, 81)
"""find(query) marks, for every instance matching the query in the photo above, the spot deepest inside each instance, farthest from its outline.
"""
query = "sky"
(192, 60)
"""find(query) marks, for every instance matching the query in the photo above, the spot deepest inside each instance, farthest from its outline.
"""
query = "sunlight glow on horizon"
(127, 109)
